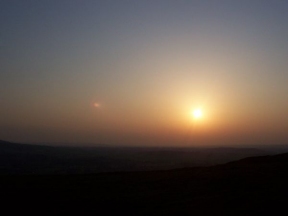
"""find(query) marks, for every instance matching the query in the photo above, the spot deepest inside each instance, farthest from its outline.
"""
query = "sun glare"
(197, 113)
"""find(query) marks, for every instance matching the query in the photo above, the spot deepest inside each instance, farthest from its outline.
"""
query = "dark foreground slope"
(252, 186)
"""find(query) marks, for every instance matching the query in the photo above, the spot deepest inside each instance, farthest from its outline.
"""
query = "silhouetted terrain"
(37, 159)
(251, 186)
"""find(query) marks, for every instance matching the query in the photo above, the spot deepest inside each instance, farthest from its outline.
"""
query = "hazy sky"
(131, 72)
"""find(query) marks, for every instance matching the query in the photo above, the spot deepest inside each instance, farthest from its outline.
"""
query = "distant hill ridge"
(4, 142)
(18, 158)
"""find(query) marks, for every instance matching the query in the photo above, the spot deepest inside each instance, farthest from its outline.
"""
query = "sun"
(197, 114)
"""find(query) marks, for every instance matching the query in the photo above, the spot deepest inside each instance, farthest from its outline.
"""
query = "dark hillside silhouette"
(252, 186)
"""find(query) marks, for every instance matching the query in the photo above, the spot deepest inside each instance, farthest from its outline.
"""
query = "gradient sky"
(130, 72)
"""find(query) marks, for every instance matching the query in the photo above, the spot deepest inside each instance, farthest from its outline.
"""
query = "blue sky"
(147, 64)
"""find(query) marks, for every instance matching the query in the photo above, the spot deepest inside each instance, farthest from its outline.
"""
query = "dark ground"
(252, 186)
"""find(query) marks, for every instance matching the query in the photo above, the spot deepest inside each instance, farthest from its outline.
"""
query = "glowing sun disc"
(197, 113)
